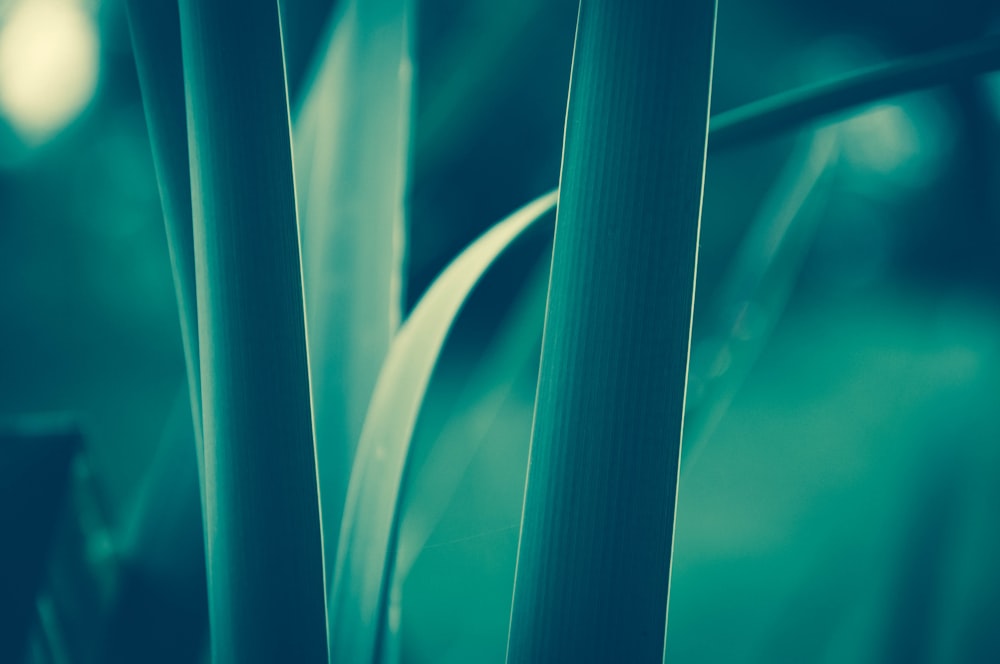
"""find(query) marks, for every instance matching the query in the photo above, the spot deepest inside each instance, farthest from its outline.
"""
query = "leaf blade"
(265, 564)
(361, 576)
(352, 136)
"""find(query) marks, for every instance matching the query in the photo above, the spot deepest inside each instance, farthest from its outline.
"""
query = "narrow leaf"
(792, 109)
(352, 145)
(150, 606)
(593, 565)
(155, 30)
(756, 286)
(367, 536)
(430, 487)
(265, 569)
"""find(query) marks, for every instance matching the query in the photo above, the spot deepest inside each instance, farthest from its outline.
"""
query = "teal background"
(844, 509)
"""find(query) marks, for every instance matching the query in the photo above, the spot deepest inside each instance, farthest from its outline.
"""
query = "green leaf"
(593, 563)
(460, 417)
(794, 195)
(265, 564)
(155, 29)
(352, 138)
(431, 486)
(366, 547)
(794, 108)
(740, 317)
(755, 289)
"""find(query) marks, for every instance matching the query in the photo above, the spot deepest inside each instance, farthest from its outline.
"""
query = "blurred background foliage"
(842, 508)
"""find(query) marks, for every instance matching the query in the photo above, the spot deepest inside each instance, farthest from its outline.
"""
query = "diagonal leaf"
(440, 458)
(795, 108)
(361, 577)
(756, 286)
(432, 485)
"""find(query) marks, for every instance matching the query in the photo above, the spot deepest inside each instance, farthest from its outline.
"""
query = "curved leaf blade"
(491, 384)
(367, 537)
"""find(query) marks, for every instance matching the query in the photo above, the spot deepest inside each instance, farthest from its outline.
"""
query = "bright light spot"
(48, 65)
(882, 139)
(905, 142)
(908, 142)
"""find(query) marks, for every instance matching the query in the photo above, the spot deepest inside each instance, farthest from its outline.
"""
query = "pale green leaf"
(352, 136)
(368, 533)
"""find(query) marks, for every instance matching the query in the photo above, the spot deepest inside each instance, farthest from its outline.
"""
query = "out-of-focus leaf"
(801, 508)
(368, 534)
(304, 24)
(155, 30)
(756, 286)
(81, 573)
(352, 136)
(809, 103)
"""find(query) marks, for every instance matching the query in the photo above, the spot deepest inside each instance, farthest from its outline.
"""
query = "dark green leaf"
(265, 566)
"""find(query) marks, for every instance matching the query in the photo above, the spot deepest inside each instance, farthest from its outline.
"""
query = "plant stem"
(596, 535)
(265, 572)
(800, 106)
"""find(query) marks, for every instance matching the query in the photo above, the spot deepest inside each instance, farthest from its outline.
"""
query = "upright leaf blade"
(593, 563)
(352, 138)
(265, 568)
(155, 30)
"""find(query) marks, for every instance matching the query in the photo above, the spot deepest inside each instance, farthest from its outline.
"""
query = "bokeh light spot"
(49, 53)
(881, 139)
